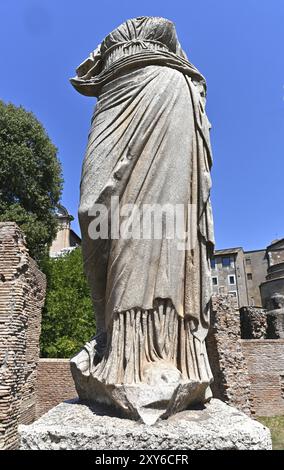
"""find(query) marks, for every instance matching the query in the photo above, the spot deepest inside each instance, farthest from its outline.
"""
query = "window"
(249, 276)
(233, 293)
(248, 261)
(232, 279)
(215, 281)
(221, 290)
(226, 261)
(213, 263)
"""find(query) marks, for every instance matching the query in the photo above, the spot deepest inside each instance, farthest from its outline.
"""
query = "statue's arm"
(90, 66)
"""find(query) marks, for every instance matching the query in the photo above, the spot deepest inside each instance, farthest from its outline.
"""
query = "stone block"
(72, 425)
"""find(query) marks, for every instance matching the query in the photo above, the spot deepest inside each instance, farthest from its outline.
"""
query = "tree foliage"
(30, 177)
(67, 319)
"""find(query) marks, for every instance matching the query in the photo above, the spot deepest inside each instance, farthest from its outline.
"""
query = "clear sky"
(236, 44)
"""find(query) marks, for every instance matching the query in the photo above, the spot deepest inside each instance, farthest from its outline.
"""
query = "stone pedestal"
(72, 425)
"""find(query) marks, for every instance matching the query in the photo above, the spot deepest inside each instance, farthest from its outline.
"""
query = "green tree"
(30, 177)
(67, 318)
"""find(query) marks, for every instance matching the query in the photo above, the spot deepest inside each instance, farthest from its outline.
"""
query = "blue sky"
(236, 44)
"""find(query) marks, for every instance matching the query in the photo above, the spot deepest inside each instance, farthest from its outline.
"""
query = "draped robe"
(148, 144)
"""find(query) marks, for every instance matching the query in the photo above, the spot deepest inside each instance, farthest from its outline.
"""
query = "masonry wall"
(54, 384)
(265, 364)
(231, 380)
(22, 292)
(253, 322)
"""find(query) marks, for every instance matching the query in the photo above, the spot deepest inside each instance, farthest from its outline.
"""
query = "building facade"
(256, 265)
(273, 284)
(228, 274)
(244, 273)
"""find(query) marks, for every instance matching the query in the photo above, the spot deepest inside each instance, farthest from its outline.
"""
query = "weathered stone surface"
(77, 426)
(253, 323)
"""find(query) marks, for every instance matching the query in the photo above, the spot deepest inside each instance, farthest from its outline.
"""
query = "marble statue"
(148, 144)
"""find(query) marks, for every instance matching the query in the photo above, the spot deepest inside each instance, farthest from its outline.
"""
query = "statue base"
(73, 425)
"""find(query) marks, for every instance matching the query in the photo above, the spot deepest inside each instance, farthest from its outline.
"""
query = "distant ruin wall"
(22, 292)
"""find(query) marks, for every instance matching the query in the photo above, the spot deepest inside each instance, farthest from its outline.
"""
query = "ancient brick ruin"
(231, 380)
(22, 292)
(248, 366)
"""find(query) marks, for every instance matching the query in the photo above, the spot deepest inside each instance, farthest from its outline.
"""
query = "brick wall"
(54, 384)
(22, 291)
(231, 381)
(265, 363)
